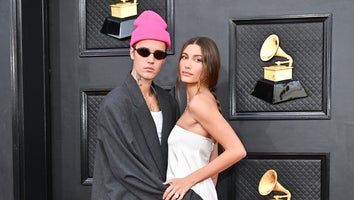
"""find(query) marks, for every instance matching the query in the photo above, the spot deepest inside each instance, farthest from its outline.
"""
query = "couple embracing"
(146, 149)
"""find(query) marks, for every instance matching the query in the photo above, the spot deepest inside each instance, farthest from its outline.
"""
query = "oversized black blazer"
(130, 163)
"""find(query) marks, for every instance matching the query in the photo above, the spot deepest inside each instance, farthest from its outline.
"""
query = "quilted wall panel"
(304, 175)
(305, 39)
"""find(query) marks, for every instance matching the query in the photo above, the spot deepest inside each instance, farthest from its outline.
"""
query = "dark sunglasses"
(145, 52)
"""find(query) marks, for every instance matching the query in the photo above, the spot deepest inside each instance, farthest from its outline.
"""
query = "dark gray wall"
(209, 18)
(6, 175)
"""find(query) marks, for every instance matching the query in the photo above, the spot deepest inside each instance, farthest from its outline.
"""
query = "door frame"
(30, 99)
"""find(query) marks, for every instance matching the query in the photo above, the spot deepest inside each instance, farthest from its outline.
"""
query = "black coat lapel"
(148, 127)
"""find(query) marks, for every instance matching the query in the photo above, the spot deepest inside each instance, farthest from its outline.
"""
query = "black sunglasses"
(145, 52)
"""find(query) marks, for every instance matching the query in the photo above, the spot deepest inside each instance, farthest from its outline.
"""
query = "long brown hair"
(211, 64)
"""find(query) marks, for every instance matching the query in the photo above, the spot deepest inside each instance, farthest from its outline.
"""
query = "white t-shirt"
(157, 116)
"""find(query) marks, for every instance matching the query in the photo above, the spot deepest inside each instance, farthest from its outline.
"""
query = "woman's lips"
(184, 73)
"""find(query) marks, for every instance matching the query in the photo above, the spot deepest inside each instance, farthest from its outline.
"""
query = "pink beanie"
(150, 26)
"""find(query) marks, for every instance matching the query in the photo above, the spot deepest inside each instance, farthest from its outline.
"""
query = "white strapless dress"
(187, 152)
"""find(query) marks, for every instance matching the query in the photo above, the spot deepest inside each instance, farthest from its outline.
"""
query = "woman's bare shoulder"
(202, 103)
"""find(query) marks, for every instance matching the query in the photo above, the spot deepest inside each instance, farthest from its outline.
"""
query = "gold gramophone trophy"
(120, 24)
(277, 85)
(269, 182)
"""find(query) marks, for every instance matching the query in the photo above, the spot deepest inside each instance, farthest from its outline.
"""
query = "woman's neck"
(193, 90)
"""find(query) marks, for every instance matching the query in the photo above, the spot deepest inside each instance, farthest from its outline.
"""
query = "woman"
(193, 154)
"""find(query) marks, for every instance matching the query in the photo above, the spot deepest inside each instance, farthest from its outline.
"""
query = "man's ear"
(131, 52)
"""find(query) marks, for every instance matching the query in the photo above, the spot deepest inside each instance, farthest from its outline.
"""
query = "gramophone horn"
(269, 183)
(271, 48)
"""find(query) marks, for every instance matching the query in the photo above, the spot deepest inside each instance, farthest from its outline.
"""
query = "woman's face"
(191, 64)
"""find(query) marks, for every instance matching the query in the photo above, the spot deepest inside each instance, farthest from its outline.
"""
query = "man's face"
(148, 67)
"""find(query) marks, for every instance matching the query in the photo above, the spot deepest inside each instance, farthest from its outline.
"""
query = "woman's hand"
(177, 189)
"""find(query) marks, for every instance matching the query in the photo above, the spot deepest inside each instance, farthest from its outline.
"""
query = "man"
(134, 122)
